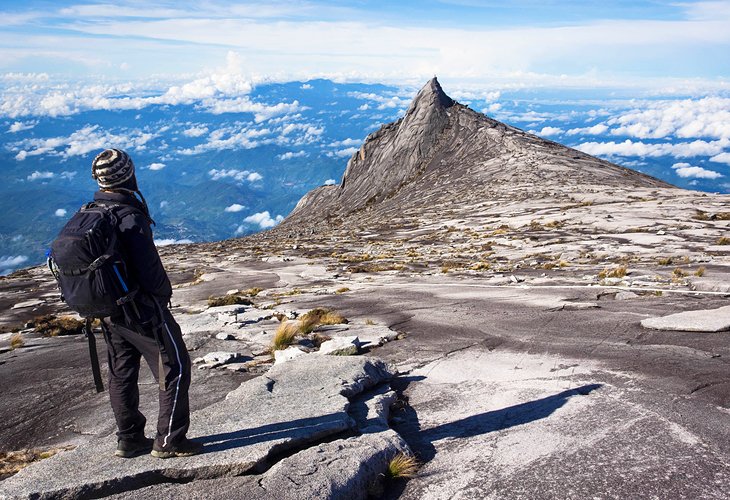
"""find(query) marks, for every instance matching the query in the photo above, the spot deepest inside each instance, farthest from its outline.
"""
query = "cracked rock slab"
(706, 320)
(293, 405)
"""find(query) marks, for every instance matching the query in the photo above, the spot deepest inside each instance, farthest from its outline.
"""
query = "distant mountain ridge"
(442, 152)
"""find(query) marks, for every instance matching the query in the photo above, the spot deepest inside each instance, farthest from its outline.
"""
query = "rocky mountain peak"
(443, 154)
(430, 95)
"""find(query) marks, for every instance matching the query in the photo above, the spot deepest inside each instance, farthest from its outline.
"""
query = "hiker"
(151, 332)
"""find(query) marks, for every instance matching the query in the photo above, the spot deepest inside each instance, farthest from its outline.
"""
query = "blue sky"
(653, 45)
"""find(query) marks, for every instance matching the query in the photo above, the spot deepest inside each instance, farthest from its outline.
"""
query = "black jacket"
(143, 261)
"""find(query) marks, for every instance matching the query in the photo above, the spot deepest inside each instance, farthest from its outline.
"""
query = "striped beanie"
(113, 168)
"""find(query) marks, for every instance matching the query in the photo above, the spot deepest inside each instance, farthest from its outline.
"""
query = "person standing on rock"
(153, 334)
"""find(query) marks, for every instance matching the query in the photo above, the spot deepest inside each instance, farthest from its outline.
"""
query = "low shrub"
(11, 462)
(228, 300)
(52, 326)
(700, 271)
(319, 316)
(617, 272)
(723, 240)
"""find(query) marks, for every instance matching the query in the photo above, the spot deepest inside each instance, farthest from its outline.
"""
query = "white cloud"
(83, 141)
(688, 171)
(171, 241)
(383, 101)
(263, 219)
(344, 153)
(235, 208)
(157, 166)
(642, 149)
(36, 175)
(598, 129)
(330, 182)
(721, 158)
(299, 134)
(237, 175)
(306, 86)
(492, 108)
(231, 138)
(291, 154)
(195, 131)
(164, 203)
(549, 131)
(260, 111)
(68, 175)
(9, 263)
(61, 212)
(346, 142)
(20, 126)
(688, 118)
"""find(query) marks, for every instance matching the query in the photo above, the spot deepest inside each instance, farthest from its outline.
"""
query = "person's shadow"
(422, 441)
(496, 420)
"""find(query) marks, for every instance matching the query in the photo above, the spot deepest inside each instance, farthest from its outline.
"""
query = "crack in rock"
(241, 433)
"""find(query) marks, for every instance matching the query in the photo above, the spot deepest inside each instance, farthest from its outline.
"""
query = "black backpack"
(86, 260)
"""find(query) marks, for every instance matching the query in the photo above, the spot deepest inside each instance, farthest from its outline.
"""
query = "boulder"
(340, 346)
(217, 358)
(284, 355)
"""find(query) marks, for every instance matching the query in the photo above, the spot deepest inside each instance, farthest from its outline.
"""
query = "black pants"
(166, 354)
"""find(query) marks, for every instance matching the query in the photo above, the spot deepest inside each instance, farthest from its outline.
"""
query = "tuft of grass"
(12, 462)
(251, 292)
(342, 290)
(665, 261)
(722, 216)
(700, 271)
(284, 336)
(374, 267)
(16, 341)
(480, 266)
(369, 322)
(723, 240)
(617, 272)
(52, 326)
(319, 316)
(679, 273)
(700, 215)
(402, 466)
(228, 300)
(447, 266)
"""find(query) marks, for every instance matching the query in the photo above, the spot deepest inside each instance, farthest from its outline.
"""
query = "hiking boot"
(184, 448)
(128, 448)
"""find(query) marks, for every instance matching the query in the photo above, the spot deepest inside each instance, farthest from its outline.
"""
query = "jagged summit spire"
(432, 94)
